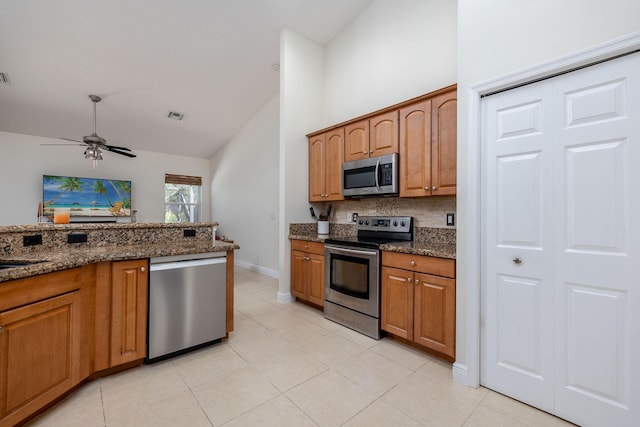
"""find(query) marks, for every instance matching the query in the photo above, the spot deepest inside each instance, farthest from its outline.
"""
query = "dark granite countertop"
(439, 250)
(425, 248)
(62, 259)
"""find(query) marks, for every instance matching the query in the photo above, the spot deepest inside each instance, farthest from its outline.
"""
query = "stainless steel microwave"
(375, 176)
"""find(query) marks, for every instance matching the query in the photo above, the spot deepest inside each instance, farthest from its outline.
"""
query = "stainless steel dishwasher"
(187, 303)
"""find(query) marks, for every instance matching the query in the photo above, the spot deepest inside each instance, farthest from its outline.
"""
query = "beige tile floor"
(286, 365)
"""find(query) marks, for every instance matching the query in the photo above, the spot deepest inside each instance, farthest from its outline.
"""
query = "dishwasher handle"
(185, 264)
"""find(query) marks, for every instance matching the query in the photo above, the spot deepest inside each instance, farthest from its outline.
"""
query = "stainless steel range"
(352, 272)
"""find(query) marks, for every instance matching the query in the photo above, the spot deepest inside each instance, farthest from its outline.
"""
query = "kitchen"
(475, 42)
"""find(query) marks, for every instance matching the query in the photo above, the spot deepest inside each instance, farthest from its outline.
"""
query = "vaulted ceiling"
(209, 59)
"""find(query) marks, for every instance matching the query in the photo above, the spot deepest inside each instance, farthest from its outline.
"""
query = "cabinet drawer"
(422, 264)
(305, 246)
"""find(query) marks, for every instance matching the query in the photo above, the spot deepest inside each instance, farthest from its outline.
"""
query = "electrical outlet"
(35, 239)
(354, 217)
(451, 221)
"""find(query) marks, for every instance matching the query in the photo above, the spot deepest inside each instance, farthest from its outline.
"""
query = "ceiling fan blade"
(74, 140)
(62, 143)
(108, 148)
(117, 148)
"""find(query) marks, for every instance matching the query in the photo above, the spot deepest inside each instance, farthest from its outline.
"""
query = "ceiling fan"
(96, 143)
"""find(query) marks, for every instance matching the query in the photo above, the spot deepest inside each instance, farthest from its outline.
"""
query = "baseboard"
(460, 373)
(257, 268)
(285, 298)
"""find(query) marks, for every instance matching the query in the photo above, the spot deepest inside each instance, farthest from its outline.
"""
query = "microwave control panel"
(386, 174)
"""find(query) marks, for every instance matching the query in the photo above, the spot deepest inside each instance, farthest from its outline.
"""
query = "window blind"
(182, 179)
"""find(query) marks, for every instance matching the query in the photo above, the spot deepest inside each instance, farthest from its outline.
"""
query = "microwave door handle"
(376, 174)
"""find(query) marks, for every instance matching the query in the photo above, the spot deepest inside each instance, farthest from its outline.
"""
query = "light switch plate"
(451, 221)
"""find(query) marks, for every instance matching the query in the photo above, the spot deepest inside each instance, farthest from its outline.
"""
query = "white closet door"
(517, 333)
(561, 169)
(597, 235)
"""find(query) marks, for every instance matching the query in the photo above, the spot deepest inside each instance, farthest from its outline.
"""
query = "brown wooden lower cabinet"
(307, 271)
(129, 311)
(416, 306)
(41, 354)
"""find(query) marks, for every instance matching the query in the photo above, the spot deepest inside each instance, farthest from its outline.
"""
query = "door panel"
(397, 302)
(597, 251)
(317, 168)
(519, 200)
(383, 134)
(334, 156)
(517, 338)
(597, 341)
(558, 327)
(596, 196)
(356, 141)
(415, 150)
(520, 322)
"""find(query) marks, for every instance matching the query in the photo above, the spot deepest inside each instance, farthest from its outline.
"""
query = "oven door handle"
(337, 250)
(376, 174)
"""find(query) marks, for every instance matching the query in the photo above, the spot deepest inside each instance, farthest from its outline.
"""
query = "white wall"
(395, 50)
(301, 86)
(504, 36)
(23, 161)
(245, 190)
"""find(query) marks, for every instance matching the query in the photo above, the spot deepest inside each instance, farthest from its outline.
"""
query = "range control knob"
(395, 223)
(366, 222)
(402, 223)
(360, 222)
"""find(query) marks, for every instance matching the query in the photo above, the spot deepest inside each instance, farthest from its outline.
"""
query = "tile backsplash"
(426, 211)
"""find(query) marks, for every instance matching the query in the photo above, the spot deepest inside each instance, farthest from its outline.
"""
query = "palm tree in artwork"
(67, 184)
(98, 187)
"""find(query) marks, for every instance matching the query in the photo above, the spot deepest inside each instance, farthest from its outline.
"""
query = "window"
(182, 198)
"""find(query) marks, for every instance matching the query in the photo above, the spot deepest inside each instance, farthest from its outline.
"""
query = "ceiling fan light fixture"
(94, 154)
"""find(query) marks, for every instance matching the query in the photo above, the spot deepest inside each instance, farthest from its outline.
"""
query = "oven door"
(351, 278)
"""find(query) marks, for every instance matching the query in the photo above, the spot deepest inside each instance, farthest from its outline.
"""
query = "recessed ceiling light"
(4, 78)
(175, 115)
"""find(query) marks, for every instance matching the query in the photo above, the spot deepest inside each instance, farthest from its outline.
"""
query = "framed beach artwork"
(86, 199)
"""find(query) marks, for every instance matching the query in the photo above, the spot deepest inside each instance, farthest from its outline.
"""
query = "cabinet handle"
(433, 188)
(306, 246)
(370, 151)
(408, 279)
(517, 261)
(0, 328)
(417, 281)
(365, 152)
(427, 188)
(307, 258)
(413, 263)
(142, 269)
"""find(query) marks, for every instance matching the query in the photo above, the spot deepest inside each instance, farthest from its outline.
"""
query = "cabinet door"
(415, 150)
(444, 143)
(397, 302)
(315, 267)
(39, 354)
(435, 313)
(316, 168)
(383, 134)
(334, 156)
(298, 273)
(129, 311)
(356, 141)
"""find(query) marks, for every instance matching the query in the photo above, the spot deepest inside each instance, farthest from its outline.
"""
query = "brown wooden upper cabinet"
(326, 154)
(428, 146)
(372, 137)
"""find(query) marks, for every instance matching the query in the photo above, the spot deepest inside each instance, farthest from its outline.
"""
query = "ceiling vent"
(4, 78)
(175, 115)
